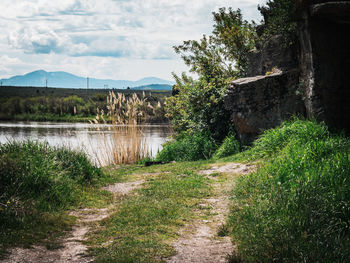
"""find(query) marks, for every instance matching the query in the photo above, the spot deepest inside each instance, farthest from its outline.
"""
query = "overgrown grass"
(229, 146)
(190, 147)
(38, 182)
(296, 207)
(145, 223)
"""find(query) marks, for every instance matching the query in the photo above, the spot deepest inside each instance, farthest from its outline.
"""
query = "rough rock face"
(262, 102)
(272, 54)
(324, 29)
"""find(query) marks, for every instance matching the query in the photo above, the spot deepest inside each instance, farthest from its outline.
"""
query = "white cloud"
(106, 31)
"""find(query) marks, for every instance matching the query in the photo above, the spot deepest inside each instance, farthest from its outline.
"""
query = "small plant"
(273, 71)
(223, 230)
(229, 146)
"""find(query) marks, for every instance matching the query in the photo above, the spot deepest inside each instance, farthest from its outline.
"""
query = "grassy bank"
(296, 207)
(37, 184)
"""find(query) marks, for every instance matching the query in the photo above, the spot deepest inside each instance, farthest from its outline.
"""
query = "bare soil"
(199, 240)
(72, 246)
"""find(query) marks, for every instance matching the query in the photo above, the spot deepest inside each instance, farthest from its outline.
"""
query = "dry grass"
(122, 141)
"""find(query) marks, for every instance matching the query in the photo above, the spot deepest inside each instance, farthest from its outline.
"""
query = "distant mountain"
(154, 87)
(61, 79)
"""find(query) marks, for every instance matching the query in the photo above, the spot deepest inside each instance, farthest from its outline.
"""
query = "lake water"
(77, 135)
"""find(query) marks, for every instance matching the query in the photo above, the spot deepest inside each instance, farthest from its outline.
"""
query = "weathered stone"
(272, 54)
(262, 102)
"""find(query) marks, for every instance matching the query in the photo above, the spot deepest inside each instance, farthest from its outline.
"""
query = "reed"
(122, 140)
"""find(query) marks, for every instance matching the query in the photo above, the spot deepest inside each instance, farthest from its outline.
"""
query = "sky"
(111, 39)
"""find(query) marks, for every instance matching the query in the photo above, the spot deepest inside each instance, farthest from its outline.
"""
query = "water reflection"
(75, 135)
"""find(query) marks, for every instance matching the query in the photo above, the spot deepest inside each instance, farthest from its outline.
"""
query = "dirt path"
(199, 240)
(73, 250)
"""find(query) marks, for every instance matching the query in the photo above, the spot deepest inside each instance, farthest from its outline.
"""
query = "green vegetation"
(54, 104)
(229, 146)
(188, 148)
(197, 105)
(144, 224)
(278, 20)
(295, 208)
(38, 182)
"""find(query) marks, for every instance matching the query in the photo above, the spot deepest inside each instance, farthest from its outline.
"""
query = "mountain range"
(61, 79)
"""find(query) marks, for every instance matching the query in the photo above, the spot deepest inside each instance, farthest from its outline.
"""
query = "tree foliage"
(278, 20)
(224, 53)
(216, 60)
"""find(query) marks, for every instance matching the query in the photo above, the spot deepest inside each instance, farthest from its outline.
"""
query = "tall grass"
(123, 141)
(37, 177)
(38, 182)
(296, 208)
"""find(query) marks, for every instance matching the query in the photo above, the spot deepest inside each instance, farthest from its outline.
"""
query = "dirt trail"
(73, 250)
(199, 241)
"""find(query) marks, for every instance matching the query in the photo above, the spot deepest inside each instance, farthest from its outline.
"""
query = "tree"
(224, 53)
(197, 105)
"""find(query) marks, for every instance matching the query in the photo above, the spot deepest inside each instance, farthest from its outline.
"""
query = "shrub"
(229, 146)
(296, 207)
(37, 177)
(188, 148)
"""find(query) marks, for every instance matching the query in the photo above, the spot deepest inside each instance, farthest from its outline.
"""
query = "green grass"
(189, 147)
(296, 207)
(229, 146)
(37, 184)
(143, 226)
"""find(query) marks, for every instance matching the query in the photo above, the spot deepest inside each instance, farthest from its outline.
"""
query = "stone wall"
(262, 102)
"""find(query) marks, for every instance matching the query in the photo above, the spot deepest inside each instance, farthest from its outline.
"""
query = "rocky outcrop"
(262, 102)
(272, 54)
(322, 75)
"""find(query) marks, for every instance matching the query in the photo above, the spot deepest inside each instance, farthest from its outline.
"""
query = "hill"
(153, 87)
(61, 79)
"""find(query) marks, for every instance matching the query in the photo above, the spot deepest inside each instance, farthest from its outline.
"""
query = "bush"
(296, 208)
(188, 148)
(37, 177)
(229, 146)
